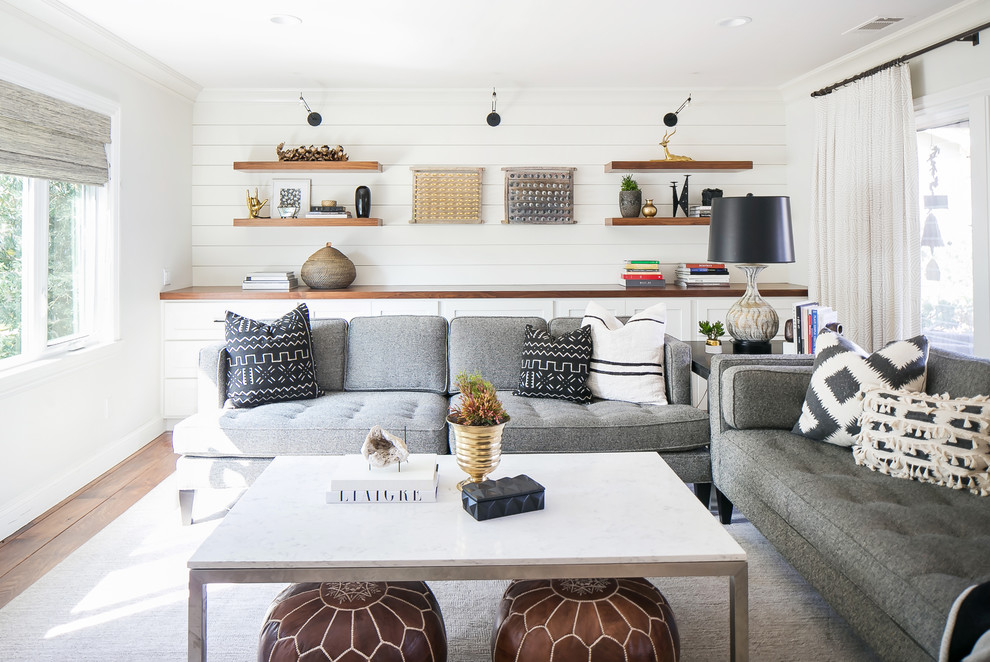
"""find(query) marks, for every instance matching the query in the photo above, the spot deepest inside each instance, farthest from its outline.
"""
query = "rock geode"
(381, 448)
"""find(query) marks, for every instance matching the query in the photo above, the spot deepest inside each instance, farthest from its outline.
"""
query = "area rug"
(122, 597)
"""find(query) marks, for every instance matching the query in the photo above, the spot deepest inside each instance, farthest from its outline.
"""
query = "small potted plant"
(712, 332)
(477, 418)
(630, 198)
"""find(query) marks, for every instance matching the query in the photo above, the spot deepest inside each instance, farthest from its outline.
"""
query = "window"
(48, 270)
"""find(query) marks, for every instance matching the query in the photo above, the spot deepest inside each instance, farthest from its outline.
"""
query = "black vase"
(362, 201)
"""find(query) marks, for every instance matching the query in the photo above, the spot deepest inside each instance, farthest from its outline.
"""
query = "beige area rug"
(122, 597)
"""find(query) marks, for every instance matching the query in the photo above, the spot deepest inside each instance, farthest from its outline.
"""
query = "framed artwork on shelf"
(290, 198)
(447, 195)
(539, 196)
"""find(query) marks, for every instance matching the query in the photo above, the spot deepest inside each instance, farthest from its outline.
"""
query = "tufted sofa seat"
(890, 555)
(397, 371)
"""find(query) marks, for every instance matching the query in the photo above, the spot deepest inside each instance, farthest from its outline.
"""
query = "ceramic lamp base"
(752, 319)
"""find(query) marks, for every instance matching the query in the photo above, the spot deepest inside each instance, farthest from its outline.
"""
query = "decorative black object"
(493, 118)
(670, 119)
(270, 362)
(684, 196)
(709, 194)
(506, 496)
(314, 118)
(362, 201)
(673, 190)
(556, 367)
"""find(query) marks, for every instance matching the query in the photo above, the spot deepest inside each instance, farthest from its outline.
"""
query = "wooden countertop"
(734, 290)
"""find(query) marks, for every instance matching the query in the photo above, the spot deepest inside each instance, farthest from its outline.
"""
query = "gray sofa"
(890, 555)
(397, 371)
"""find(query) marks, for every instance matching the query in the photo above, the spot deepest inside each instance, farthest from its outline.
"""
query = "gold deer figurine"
(667, 155)
(254, 204)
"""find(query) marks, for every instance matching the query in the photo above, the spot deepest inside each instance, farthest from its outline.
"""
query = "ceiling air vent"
(874, 24)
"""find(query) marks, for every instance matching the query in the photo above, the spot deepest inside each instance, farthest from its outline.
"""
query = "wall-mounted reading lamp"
(493, 118)
(314, 118)
(670, 119)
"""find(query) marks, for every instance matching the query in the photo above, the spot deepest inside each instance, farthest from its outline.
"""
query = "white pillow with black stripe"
(556, 367)
(627, 359)
(270, 362)
(843, 370)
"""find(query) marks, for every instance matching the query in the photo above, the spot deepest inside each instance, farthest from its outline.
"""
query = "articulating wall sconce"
(493, 118)
(670, 119)
(314, 118)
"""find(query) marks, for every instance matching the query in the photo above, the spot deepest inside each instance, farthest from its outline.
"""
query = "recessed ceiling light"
(285, 19)
(733, 21)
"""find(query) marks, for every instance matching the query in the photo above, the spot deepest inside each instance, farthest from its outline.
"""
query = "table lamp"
(751, 231)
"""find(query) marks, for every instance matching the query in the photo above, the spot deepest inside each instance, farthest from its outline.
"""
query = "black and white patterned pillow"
(556, 367)
(832, 404)
(270, 362)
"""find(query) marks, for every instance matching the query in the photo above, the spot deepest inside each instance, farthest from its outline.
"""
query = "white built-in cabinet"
(188, 325)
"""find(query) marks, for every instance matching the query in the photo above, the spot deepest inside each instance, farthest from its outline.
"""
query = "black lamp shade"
(753, 229)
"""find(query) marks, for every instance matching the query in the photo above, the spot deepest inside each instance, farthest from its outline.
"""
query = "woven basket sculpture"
(328, 269)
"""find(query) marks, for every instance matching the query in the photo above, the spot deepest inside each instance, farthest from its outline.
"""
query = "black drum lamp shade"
(751, 229)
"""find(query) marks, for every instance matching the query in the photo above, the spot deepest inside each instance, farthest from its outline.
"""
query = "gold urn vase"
(479, 449)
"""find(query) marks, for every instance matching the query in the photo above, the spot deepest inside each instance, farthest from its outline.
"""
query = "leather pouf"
(600, 620)
(328, 269)
(354, 622)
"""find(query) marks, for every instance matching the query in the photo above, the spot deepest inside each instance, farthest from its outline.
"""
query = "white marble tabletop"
(609, 508)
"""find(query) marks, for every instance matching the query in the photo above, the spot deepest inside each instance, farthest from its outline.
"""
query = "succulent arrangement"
(478, 404)
(629, 184)
(711, 331)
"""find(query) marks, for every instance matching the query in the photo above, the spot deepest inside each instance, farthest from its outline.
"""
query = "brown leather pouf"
(354, 622)
(599, 620)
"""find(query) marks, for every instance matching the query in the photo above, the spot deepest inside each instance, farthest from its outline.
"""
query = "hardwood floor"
(28, 554)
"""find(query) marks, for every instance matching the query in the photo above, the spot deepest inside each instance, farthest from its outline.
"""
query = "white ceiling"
(508, 43)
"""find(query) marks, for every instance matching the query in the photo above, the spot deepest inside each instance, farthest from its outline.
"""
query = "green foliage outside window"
(10, 265)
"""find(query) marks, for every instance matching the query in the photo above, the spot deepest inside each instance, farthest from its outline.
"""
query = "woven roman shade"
(44, 137)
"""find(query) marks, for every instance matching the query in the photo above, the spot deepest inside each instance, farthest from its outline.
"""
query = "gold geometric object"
(311, 153)
(667, 155)
(254, 204)
(446, 195)
(479, 449)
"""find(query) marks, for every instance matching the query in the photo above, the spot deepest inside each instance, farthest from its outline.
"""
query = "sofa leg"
(185, 506)
(724, 507)
(704, 493)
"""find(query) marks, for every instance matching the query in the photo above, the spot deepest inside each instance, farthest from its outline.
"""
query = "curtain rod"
(972, 36)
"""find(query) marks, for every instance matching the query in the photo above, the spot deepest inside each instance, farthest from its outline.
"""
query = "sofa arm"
(677, 361)
(211, 377)
(757, 390)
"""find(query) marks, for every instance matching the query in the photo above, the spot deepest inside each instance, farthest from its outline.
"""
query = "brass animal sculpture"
(667, 155)
(311, 153)
(254, 204)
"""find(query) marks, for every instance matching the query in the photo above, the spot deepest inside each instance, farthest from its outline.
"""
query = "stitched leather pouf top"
(354, 622)
(599, 620)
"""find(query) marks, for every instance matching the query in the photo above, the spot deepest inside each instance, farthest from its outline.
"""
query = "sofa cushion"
(336, 423)
(556, 367)
(270, 362)
(627, 359)
(491, 346)
(959, 375)
(910, 547)
(930, 438)
(842, 371)
(397, 353)
(540, 425)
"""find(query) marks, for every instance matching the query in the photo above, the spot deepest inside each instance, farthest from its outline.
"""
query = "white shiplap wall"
(577, 128)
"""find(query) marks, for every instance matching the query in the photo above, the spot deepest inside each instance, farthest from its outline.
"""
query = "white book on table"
(412, 481)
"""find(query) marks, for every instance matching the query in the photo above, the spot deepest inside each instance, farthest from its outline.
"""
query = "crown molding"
(68, 25)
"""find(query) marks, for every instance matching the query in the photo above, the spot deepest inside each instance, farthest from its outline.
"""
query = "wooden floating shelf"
(339, 166)
(305, 222)
(614, 166)
(658, 220)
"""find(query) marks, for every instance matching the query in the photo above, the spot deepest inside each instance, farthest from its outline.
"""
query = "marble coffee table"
(606, 515)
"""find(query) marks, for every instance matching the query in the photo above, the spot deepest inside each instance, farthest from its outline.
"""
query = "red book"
(654, 276)
(704, 265)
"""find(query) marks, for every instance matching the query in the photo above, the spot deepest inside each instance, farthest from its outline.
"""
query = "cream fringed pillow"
(929, 438)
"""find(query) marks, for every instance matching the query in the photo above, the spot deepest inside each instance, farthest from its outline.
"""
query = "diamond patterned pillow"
(556, 367)
(842, 370)
(270, 362)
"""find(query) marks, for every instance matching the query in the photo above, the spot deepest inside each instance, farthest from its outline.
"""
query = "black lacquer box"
(506, 496)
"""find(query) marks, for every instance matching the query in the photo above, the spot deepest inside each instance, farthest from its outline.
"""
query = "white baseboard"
(16, 514)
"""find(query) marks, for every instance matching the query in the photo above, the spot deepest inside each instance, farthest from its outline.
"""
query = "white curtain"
(865, 236)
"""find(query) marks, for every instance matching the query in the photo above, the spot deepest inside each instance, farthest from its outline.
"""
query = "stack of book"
(642, 273)
(707, 274)
(809, 320)
(700, 210)
(414, 481)
(323, 211)
(270, 280)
